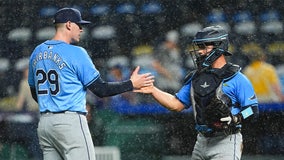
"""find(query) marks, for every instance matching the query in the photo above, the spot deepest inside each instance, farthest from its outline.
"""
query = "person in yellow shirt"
(262, 75)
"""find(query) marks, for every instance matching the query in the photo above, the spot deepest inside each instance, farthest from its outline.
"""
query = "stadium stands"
(120, 26)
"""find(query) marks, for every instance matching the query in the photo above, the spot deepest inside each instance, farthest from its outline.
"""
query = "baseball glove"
(214, 112)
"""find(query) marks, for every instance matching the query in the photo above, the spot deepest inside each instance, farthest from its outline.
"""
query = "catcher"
(221, 97)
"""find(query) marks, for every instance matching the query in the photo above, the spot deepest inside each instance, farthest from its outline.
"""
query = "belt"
(63, 112)
(219, 133)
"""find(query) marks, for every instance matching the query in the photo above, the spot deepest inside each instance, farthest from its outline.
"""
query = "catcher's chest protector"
(203, 88)
(206, 87)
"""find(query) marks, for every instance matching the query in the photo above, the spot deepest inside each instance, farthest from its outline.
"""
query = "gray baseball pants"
(222, 147)
(65, 136)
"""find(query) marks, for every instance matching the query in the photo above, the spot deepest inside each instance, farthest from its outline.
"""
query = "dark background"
(159, 132)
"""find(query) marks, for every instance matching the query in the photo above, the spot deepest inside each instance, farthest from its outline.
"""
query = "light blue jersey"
(238, 88)
(60, 73)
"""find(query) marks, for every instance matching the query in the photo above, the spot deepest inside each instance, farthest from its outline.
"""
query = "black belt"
(62, 112)
(220, 133)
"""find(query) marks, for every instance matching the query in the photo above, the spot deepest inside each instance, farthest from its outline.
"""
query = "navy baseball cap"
(69, 14)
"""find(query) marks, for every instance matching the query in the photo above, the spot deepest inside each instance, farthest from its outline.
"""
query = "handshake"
(141, 80)
(142, 83)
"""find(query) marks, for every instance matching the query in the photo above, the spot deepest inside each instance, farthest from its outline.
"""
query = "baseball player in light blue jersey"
(59, 75)
(221, 97)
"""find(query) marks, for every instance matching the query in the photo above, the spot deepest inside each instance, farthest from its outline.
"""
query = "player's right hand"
(141, 80)
(146, 90)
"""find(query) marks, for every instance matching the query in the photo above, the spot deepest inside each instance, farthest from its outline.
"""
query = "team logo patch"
(205, 85)
(225, 85)
(253, 97)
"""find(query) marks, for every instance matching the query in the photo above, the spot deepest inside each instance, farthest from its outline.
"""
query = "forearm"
(167, 100)
(105, 89)
(20, 102)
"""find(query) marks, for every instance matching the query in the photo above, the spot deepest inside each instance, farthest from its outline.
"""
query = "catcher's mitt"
(214, 112)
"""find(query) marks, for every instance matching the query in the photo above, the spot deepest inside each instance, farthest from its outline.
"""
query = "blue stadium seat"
(151, 8)
(271, 22)
(47, 11)
(126, 8)
(244, 24)
(100, 9)
(271, 26)
(218, 17)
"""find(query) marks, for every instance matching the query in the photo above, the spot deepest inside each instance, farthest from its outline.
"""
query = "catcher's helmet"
(212, 35)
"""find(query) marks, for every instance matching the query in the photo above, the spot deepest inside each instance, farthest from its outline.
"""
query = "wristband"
(247, 112)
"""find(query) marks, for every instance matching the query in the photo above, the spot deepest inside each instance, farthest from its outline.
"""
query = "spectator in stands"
(120, 73)
(25, 101)
(262, 75)
(4, 78)
(168, 63)
(142, 55)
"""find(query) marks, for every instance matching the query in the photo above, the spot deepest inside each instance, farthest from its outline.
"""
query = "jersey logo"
(253, 97)
(205, 85)
(225, 85)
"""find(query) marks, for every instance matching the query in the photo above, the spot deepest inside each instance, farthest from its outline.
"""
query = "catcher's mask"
(213, 35)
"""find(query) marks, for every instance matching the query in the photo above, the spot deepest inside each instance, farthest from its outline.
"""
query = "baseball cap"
(69, 14)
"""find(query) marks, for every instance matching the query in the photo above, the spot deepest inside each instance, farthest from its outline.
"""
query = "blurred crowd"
(154, 34)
